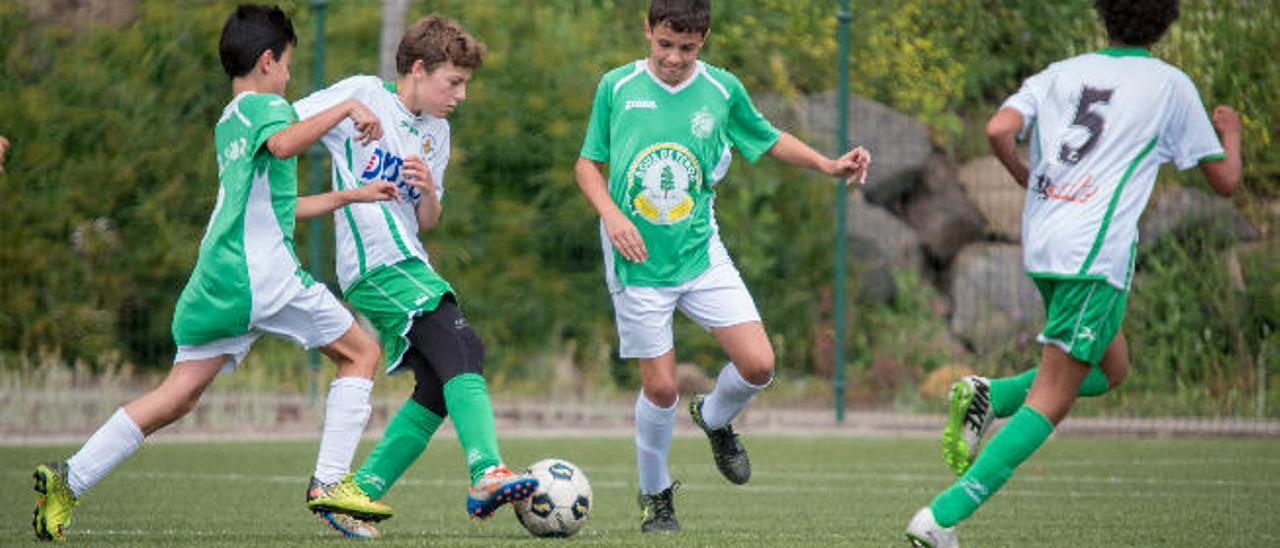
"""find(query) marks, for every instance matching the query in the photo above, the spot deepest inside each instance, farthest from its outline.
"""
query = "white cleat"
(970, 416)
(924, 532)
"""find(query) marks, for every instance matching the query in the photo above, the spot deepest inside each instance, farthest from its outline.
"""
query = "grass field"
(1078, 491)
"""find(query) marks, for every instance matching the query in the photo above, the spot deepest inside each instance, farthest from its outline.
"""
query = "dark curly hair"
(1137, 22)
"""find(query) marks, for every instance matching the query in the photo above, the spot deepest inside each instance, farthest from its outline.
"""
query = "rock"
(1181, 211)
(993, 191)
(691, 379)
(993, 302)
(937, 383)
(894, 238)
(944, 220)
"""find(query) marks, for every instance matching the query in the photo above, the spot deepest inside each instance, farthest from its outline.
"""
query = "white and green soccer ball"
(560, 506)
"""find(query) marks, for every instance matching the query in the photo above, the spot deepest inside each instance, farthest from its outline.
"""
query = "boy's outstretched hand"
(366, 123)
(853, 166)
(4, 147)
(376, 191)
(1226, 120)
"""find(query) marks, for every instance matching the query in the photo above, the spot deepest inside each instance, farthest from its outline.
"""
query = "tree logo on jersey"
(659, 182)
(702, 123)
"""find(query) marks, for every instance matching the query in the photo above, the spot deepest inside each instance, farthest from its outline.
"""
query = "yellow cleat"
(345, 497)
(54, 501)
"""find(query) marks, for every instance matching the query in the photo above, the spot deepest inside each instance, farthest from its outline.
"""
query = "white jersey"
(370, 235)
(1101, 124)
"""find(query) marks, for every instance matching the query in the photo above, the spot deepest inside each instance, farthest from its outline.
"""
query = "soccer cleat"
(54, 501)
(924, 532)
(349, 526)
(969, 418)
(345, 497)
(496, 487)
(658, 512)
(730, 455)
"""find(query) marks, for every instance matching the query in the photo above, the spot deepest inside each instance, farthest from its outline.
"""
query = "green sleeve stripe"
(1111, 207)
(351, 221)
(1213, 158)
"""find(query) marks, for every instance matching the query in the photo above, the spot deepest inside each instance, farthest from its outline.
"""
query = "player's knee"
(661, 394)
(758, 370)
(362, 359)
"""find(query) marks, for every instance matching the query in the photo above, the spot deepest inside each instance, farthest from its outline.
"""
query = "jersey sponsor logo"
(234, 150)
(659, 183)
(385, 166)
(641, 103)
(703, 123)
(405, 125)
(1079, 192)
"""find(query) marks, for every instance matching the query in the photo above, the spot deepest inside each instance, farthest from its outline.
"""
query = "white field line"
(821, 483)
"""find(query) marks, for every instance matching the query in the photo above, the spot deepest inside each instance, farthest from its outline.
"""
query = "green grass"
(1078, 491)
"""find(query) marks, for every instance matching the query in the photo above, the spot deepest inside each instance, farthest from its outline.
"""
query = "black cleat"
(658, 513)
(730, 455)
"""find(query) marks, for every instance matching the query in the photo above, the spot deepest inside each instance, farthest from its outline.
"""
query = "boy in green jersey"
(247, 280)
(1100, 125)
(385, 272)
(666, 125)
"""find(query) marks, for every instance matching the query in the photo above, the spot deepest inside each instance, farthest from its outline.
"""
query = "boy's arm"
(4, 147)
(1002, 132)
(296, 138)
(1224, 174)
(416, 172)
(319, 204)
(623, 234)
(851, 166)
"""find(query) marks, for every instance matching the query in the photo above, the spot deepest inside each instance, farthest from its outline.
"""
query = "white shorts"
(313, 318)
(716, 298)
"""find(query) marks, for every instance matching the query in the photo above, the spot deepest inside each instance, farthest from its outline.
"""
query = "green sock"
(1008, 393)
(467, 399)
(404, 440)
(1021, 436)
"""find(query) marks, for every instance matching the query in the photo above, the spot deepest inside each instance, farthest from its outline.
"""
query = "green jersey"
(667, 146)
(247, 268)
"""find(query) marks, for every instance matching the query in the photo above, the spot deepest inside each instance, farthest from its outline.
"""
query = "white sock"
(731, 394)
(114, 441)
(346, 411)
(653, 442)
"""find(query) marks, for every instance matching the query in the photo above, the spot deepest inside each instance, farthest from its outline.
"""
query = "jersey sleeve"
(1027, 100)
(595, 146)
(327, 98)
(267, 115)
(1188, 137)
(748, 130)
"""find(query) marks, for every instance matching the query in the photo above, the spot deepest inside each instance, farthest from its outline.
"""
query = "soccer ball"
(560, 505)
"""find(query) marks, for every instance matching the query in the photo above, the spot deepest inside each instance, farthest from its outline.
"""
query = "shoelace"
(978, 408)
(725, 440)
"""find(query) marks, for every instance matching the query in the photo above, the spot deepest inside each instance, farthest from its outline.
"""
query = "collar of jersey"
(391, 88)
(1126, 52)
(697, 68)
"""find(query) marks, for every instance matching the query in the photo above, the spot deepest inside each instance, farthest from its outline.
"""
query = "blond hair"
(436, 39)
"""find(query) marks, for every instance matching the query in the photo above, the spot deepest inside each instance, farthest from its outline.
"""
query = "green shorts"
(1082, 316)
(391, 296)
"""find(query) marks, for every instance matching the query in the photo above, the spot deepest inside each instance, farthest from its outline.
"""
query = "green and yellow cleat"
(54, 501)
(967, 422)
(345, 497)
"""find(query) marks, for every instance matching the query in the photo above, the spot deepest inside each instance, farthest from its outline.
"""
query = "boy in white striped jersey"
(384, 270)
